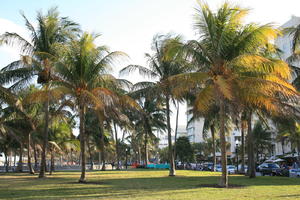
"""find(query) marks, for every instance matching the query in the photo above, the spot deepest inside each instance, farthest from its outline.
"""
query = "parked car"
(270, 169)
(207, 166)
(230, 169)
(218, 168)
(245, 168)
(294, 173)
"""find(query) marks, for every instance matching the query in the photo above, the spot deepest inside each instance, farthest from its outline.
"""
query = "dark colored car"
(207, 167)
(270, 169)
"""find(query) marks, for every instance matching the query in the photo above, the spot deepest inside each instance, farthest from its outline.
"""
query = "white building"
(285, 42)
(195, 130)
(163, 137)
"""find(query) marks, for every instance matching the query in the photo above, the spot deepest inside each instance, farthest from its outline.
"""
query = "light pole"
(237, 155)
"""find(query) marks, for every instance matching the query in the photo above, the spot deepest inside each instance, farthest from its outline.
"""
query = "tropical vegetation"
(231, 75)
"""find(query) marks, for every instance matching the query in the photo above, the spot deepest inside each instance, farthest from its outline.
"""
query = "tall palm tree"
(230, 67)
(37, 57)
(81, 74)
(165, 62)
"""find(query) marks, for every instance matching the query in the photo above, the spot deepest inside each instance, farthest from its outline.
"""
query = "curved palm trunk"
(117, 146)
(31, 170)
(251, 159)
(243, 146)
(20, 163)
(172, 171)
(82, 141)
(212, 129)
(224, 178)
(42, 173)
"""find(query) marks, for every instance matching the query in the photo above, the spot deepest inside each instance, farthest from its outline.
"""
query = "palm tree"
(149, 120)
(288, 131)
(230, 66)
(81, 74)
(37, 57)
(165, 62)
(262, 140)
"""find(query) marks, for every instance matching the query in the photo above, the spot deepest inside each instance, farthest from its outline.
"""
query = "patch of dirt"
(230, 186)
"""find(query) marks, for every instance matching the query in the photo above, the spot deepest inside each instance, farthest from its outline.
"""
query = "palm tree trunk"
(224, 178)
(35, 155)
(243, 145)
(42, 173)
(282, 145)
(82, 141)
(15, 158)
(90, 156)
(176, 130)
(6, 161)
(117, 146)
(31, 170)
(123, 135)
(172, 171)
(251, 159)
(212, 129)
(146, 148)
(20, 163)
(51, 161)
(102, 144)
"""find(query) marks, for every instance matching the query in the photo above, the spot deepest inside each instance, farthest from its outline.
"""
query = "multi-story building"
(163, 137)
(285, 42)
(194, 129)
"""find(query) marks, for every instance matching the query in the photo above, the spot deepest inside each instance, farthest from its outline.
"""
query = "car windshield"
(230, 167)
(273, 165)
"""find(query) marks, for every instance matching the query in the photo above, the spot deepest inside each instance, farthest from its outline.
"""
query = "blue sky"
(129, 25)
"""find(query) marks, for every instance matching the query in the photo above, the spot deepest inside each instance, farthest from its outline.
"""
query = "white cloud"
(10, 53)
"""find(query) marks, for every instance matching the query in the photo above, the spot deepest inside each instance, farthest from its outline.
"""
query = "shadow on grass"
(96, 187)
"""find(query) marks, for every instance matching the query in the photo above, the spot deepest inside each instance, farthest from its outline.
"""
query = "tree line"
(231, 74)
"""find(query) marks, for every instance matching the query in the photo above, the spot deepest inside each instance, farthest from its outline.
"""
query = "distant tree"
(184, 150)
(163, 155)
(262, 139)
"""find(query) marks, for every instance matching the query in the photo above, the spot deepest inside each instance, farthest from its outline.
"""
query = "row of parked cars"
(231, 169)
(273, 169)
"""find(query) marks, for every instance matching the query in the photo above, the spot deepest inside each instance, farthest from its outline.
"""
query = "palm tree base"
(42, 176)
(82, 181)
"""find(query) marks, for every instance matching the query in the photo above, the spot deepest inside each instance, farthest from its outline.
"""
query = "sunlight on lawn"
(144, 184)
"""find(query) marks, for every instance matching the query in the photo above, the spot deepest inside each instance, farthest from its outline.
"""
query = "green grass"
(144, 184)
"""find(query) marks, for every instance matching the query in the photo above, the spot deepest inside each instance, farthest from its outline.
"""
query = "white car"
(294, 173)
(230, 169)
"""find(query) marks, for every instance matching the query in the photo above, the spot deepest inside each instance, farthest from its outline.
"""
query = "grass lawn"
(144, 184)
